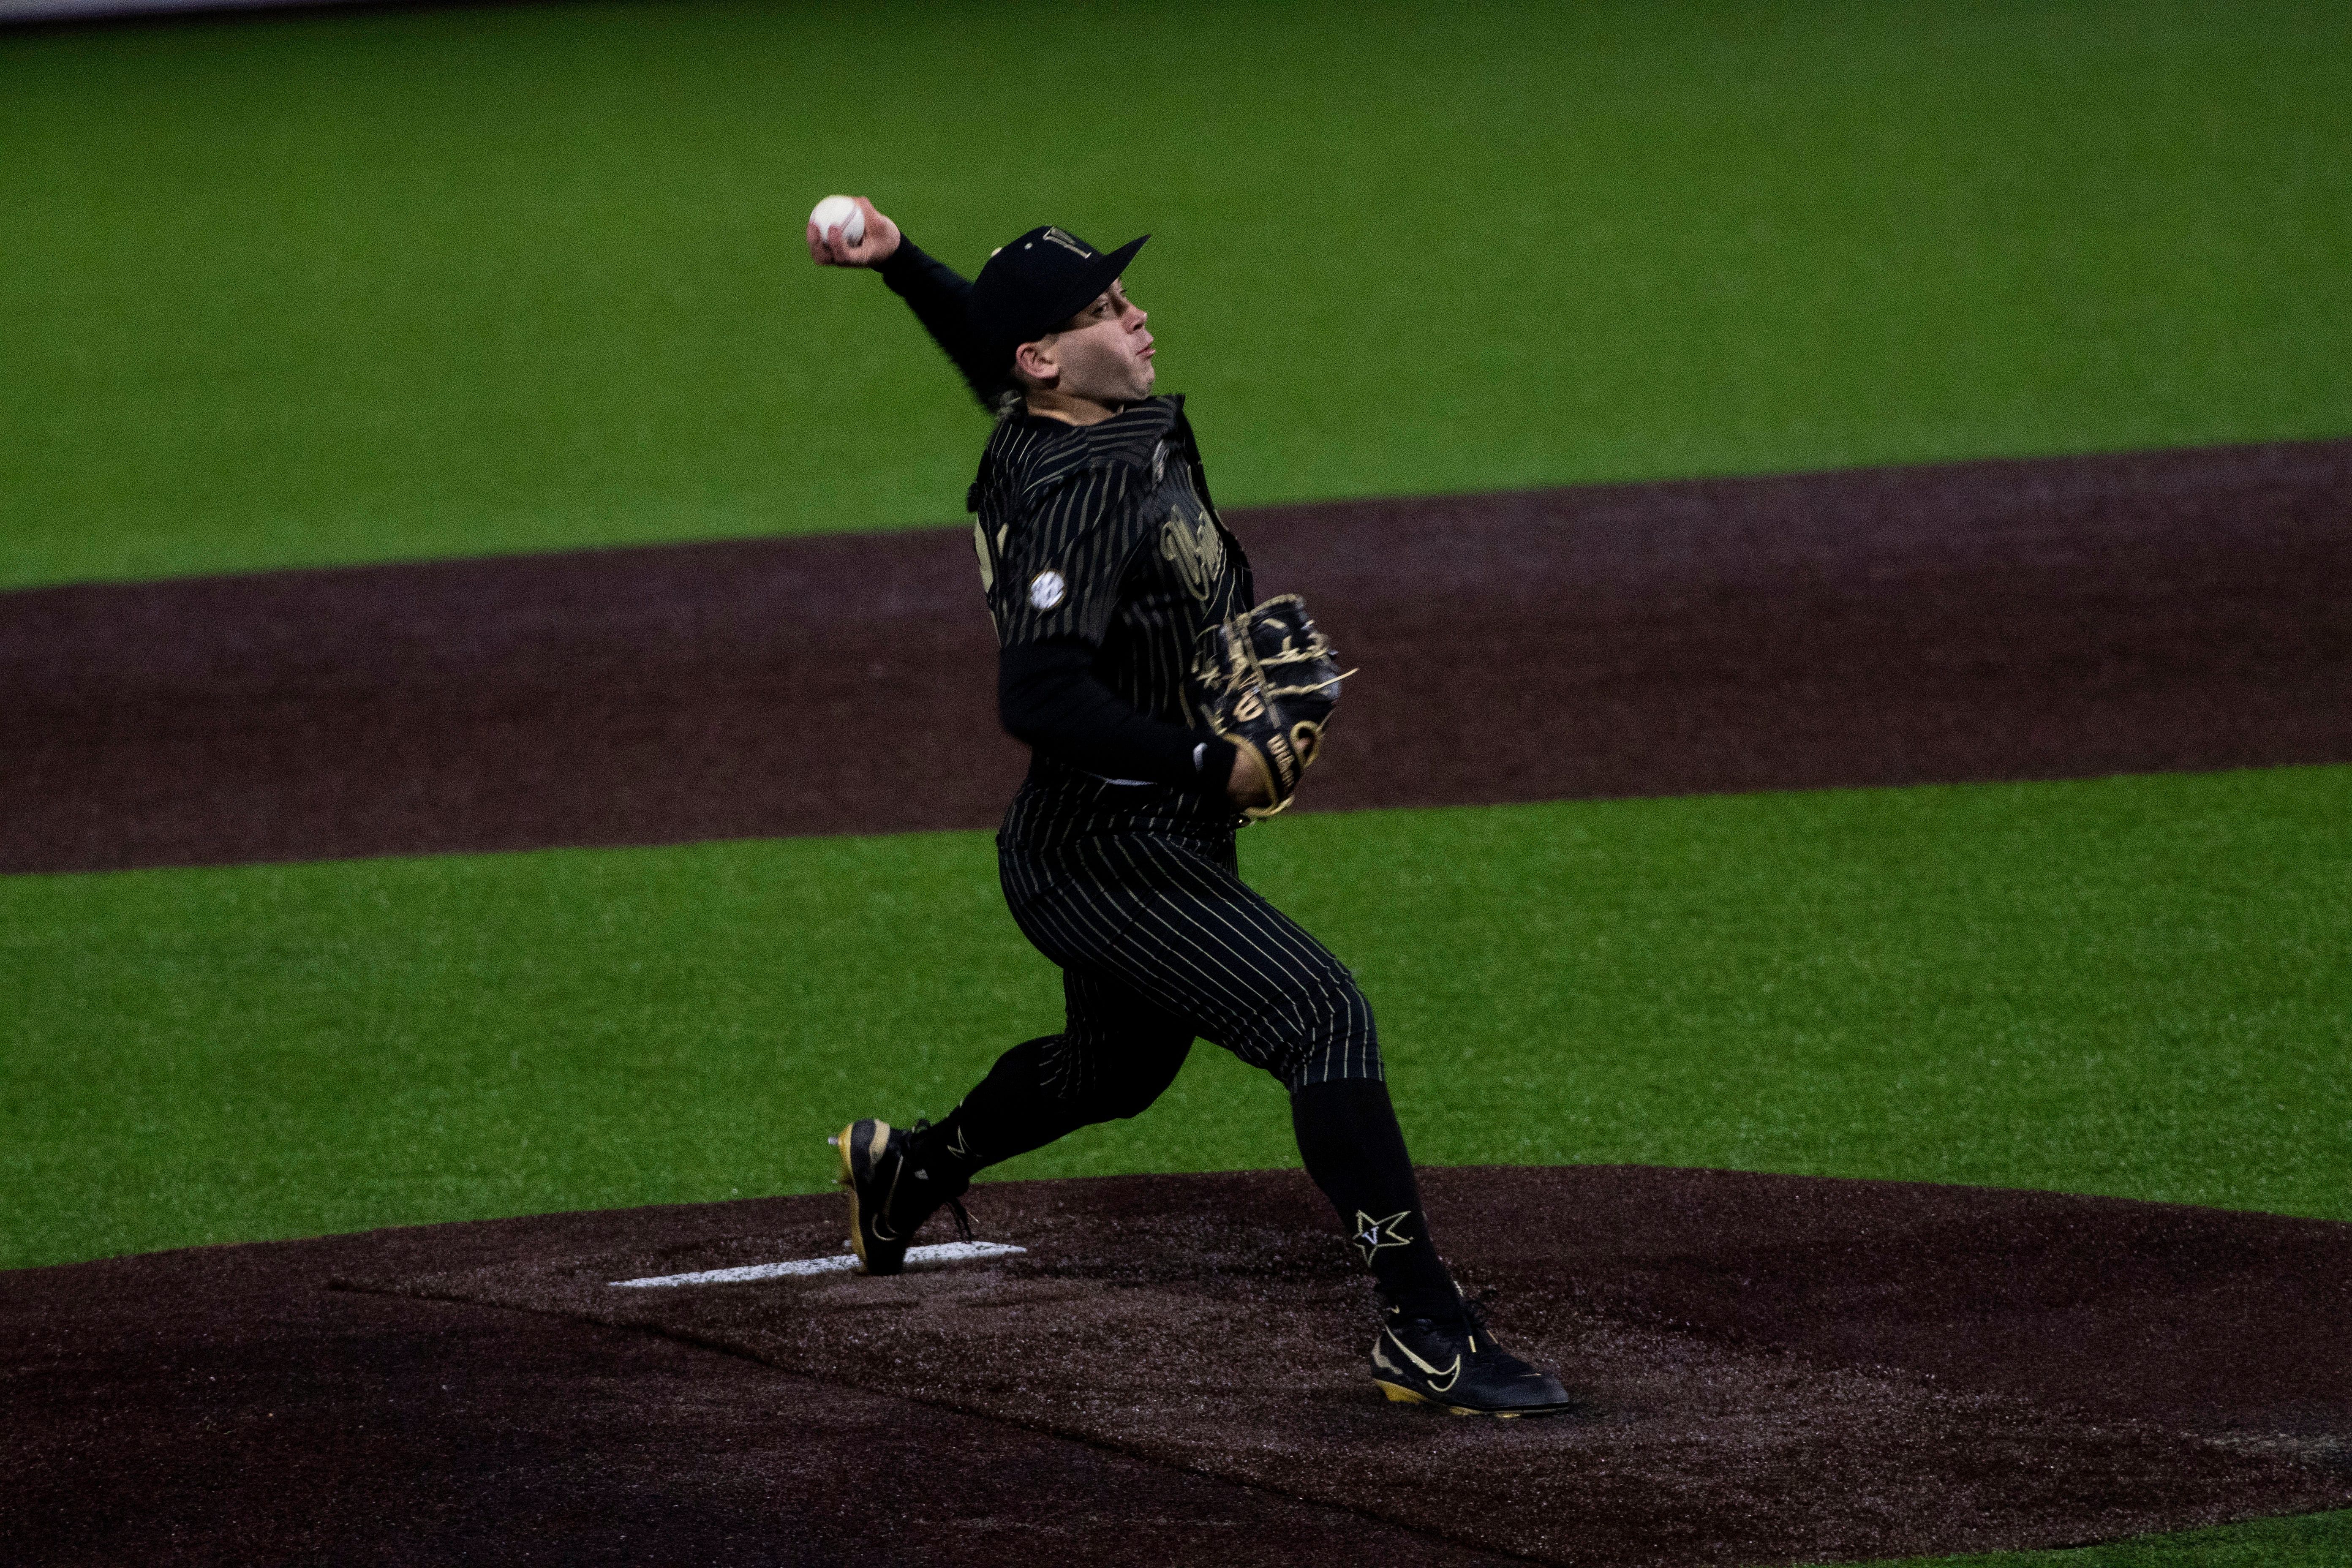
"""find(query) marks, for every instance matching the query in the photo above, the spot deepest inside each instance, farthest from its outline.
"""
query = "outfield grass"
(334, 288)
(2133, 986)
(2313, 1541)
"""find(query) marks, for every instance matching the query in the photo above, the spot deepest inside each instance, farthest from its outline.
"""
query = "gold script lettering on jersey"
(1195, 549)
(987, 561)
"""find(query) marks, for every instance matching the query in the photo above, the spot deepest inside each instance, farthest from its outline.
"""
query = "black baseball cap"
(1037, 282)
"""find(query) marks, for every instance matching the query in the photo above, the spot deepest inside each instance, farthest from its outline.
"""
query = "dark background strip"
(2000, 620)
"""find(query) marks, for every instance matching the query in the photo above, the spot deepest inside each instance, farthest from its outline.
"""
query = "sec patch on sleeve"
(1047, 589)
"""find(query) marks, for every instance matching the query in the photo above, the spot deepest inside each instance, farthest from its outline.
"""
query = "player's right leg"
(1113, 1058)
(892, 1190)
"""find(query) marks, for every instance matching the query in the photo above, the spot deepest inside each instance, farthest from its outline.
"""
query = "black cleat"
(888, 1202)
(1454, 1363)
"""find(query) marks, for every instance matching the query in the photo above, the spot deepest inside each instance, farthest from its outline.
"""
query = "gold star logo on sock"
(1371, 1235)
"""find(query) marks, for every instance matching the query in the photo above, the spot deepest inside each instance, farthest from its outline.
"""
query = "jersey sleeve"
(1059, 576)
(1048, 698)
(937, 295)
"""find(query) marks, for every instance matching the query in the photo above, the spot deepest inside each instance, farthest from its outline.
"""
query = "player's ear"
(1038, 361)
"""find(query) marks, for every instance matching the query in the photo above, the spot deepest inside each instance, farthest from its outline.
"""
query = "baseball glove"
(1266, 680)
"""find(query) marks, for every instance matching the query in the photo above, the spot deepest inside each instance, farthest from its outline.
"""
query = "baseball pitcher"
(1164, 709)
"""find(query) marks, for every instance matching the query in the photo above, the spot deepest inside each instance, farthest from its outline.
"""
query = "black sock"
(1008, 1112)
(1348, 1138)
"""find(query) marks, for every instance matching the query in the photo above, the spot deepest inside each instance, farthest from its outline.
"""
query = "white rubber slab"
(945, 1252)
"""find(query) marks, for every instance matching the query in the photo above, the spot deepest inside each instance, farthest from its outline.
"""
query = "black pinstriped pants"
(1159, 942)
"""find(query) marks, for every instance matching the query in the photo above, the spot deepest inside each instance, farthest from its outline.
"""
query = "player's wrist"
(1213, 767)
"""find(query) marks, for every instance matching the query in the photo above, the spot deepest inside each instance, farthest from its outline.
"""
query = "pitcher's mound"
(1768, 1368)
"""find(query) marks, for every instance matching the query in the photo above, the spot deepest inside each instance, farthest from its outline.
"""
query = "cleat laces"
(1474, 1323)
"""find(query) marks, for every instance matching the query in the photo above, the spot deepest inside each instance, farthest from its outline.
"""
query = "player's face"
(1104, 353)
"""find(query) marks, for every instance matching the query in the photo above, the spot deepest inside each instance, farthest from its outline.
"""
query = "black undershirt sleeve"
(1046, 695)
(937, 294)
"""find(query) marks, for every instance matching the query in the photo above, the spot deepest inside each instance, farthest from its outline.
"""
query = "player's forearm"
(1047, 696)
(937, 293)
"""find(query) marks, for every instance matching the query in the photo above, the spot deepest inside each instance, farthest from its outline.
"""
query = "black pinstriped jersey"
(1105, 534)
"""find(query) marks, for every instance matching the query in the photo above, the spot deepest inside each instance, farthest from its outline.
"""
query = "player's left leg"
(1200, 944)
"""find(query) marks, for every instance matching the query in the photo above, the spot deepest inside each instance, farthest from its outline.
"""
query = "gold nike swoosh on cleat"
(1451, 1374)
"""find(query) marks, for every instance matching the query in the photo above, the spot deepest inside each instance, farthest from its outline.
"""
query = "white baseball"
(842, 213)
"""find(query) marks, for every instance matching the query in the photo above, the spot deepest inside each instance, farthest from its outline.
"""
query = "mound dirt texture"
(2013, 620)
(1771, 1369)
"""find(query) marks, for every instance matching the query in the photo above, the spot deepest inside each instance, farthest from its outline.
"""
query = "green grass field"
(2315, 1541)
(2133, 986)
(354, 288)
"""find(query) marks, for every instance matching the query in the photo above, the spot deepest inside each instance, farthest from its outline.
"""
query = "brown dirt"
(1772, 1369)
(2067, 617)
